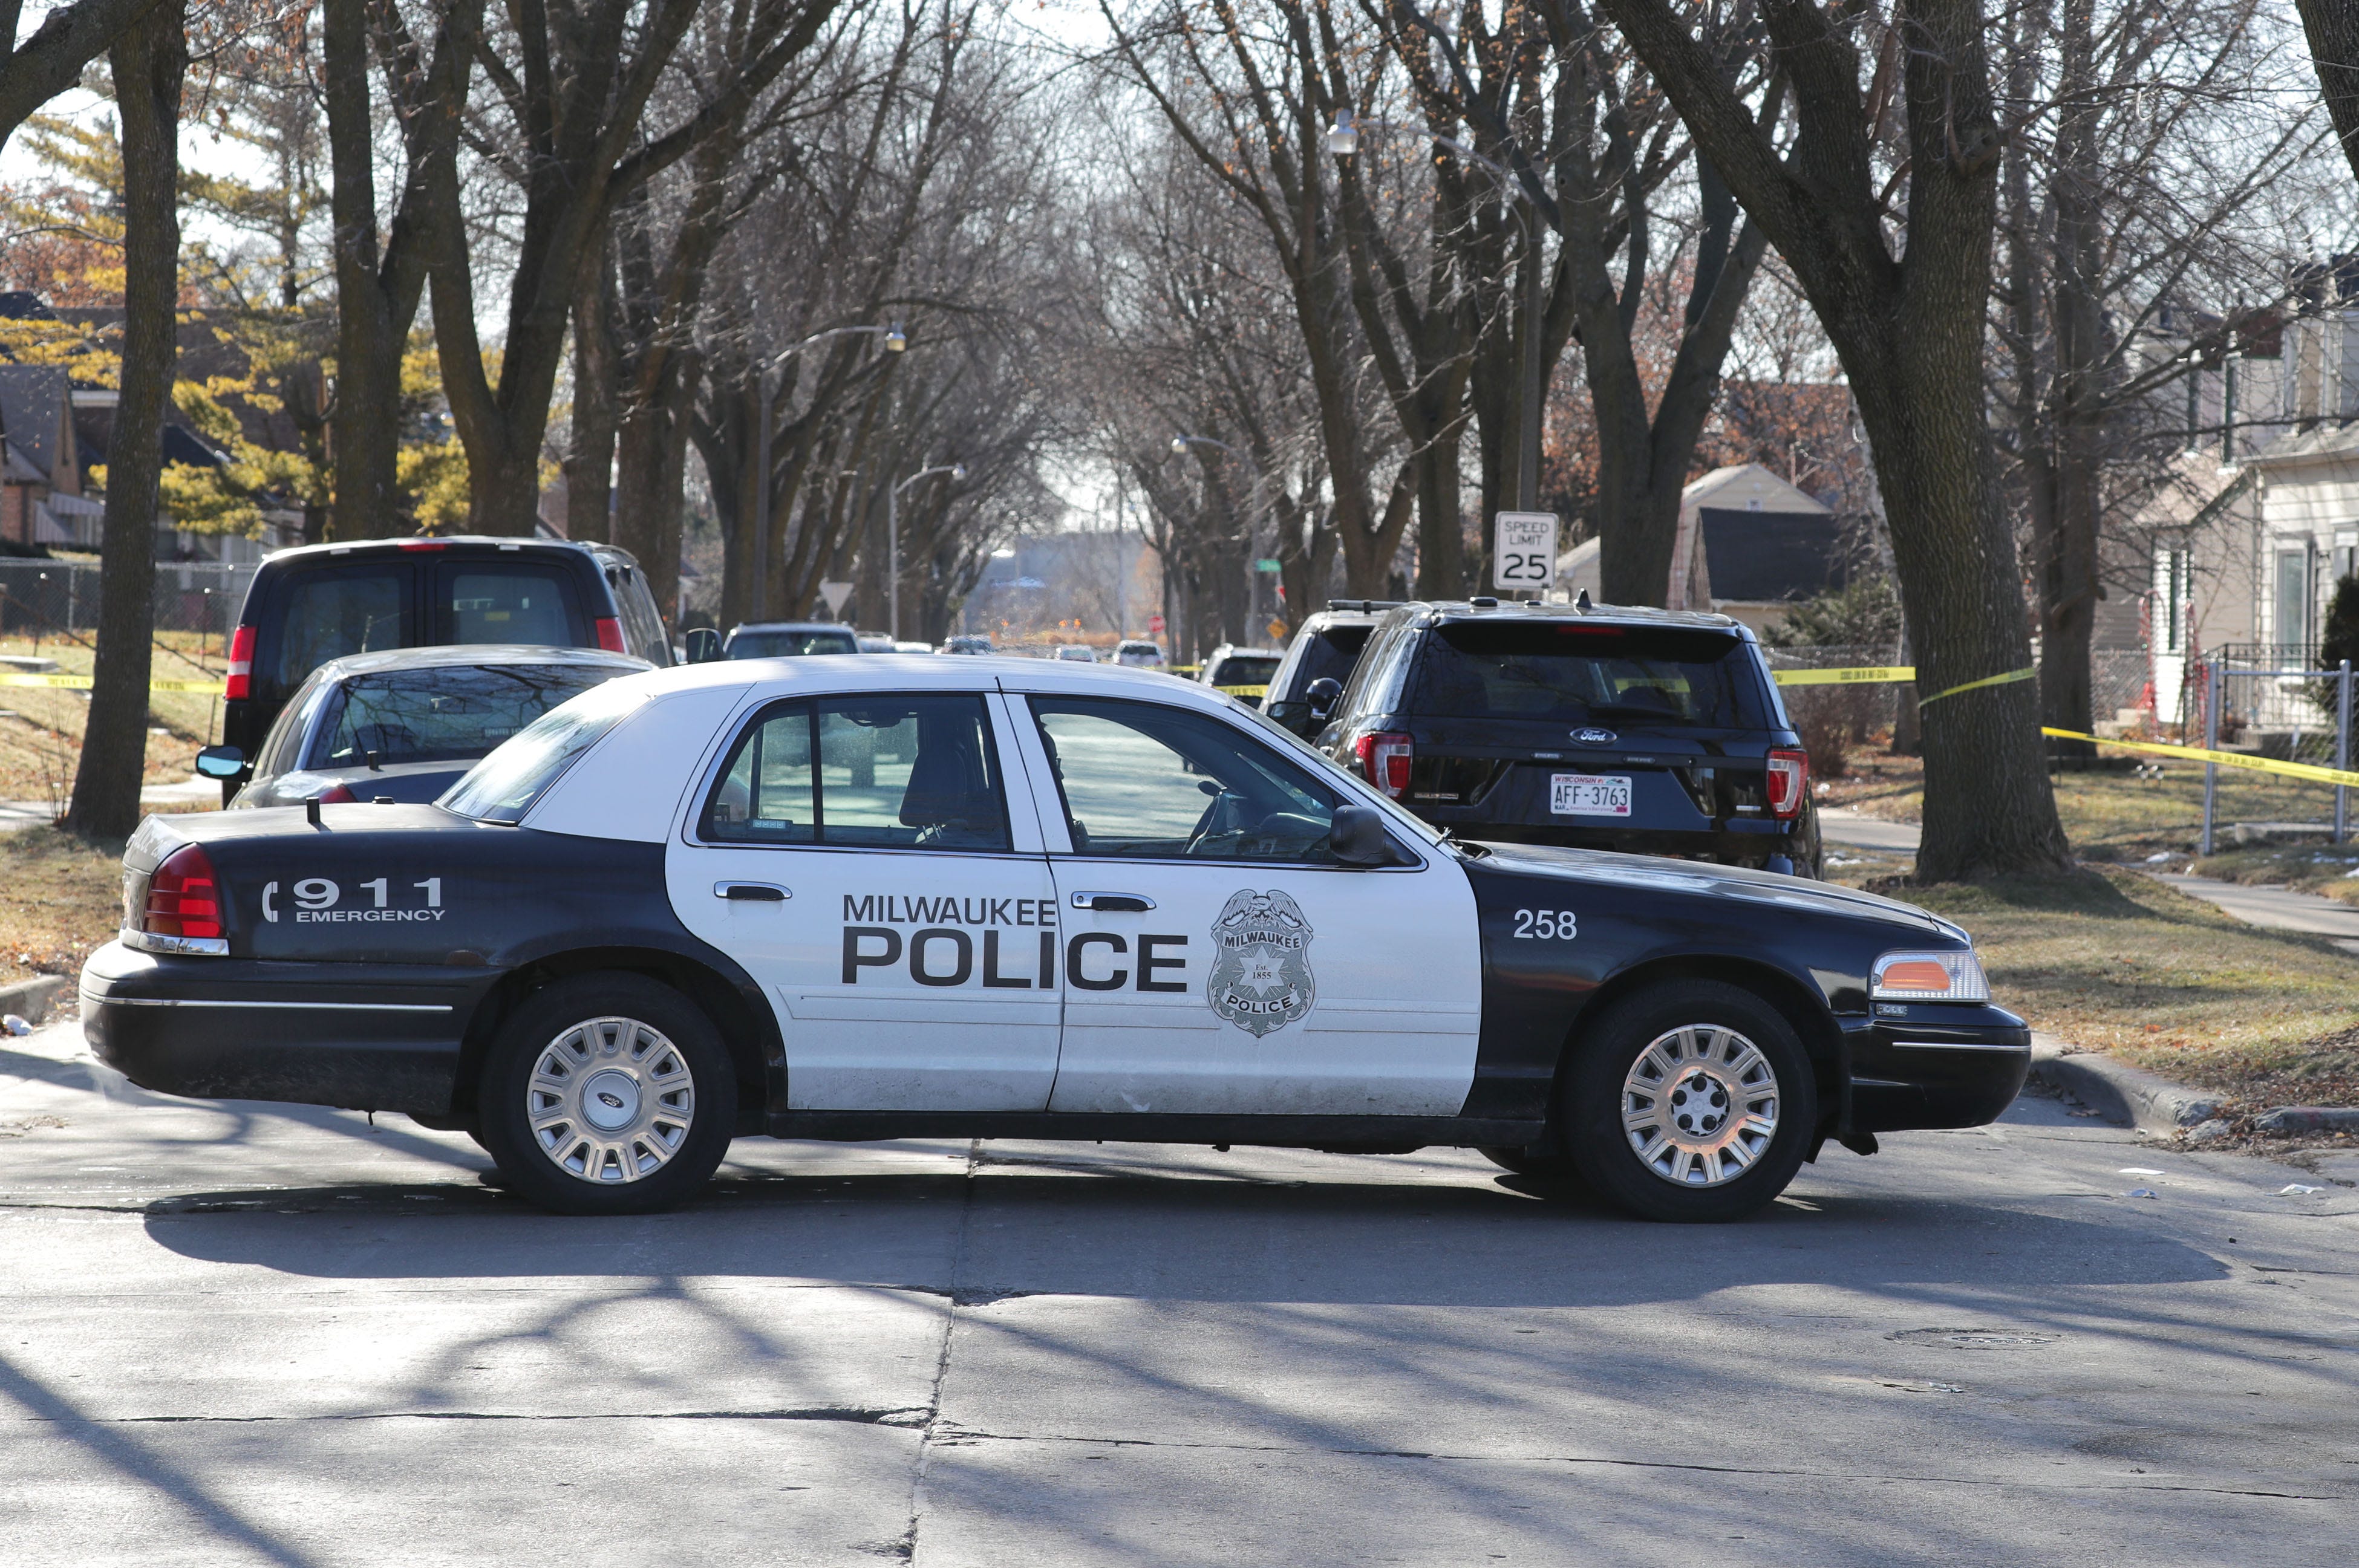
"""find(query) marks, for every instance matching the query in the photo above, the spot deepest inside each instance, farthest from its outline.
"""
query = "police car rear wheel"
(1691, 1102)
(607, 1094)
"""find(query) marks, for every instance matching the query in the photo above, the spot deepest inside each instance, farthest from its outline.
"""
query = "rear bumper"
(357, 1036)
(1935, 1064)
(1789, 848)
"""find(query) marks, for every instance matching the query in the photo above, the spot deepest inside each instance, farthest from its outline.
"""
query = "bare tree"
(38, 68)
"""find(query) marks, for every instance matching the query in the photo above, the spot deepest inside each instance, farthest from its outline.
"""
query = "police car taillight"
(240, 684)
(337, 794)
(609, 634)
(1385, 758)
(181, 912)
(1789, 782)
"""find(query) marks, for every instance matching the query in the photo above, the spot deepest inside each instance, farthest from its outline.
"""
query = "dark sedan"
(404, 725)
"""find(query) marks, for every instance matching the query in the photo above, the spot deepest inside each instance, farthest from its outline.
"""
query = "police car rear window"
(906, 772)
(508, 782)
(443, 714)
(1571, 672)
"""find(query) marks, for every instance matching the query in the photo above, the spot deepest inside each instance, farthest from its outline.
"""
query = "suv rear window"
(786, 644)
(499, 601)
(1244, 669)
(1329, 655)
(1568, 672)
(342, 610)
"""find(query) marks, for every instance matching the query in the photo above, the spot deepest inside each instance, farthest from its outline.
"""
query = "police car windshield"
(1571, 671)
(505, 784)
(449, 714)
(788, 644)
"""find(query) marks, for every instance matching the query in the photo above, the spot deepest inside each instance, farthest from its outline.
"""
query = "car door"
(858, 855)
(1217, 958)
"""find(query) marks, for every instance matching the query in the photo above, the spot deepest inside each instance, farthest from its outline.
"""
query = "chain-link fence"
(46, 598)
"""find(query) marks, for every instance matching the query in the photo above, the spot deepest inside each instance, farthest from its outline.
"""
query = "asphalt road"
(245, 1334)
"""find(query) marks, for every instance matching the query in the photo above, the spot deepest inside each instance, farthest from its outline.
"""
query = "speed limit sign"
(1523, 554)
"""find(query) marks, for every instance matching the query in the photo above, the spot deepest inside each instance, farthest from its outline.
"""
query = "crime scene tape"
(2225, 759)
(1243, 690)
(1860, 676)
(81, 682)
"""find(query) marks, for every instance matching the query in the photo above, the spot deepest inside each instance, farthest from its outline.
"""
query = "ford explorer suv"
(1649, 732)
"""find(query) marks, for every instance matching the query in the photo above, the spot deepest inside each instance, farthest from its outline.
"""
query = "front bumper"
(1933, 1064)
(357, 1036)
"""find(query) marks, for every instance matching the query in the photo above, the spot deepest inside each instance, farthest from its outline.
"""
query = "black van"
(319, 602)
(1651, 731)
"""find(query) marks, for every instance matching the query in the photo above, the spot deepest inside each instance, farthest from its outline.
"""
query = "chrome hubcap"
(1700, 1105)
(610, 1101)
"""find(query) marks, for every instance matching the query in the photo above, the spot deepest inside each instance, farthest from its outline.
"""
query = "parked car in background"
(969, 645)
(1077, 653)
(1137, 654)
(787, 639)
(404, 725)
(873, 641)
(1657, 732)
(1326, 648)
(913, 647)
(319, 602)
(1243, 673)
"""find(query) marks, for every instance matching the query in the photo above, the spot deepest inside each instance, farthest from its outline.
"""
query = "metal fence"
(44, 597)
(2316, 705)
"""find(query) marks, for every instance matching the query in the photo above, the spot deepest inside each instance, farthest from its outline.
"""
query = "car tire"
(1689, 1101)
(607, 1094)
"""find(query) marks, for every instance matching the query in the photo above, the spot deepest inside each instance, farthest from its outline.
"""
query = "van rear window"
(1568, 672)
(331, 613)
(534, 605)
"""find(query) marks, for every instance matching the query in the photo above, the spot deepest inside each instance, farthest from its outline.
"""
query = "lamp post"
(895, 341)
(893, 540)
(1343, 140)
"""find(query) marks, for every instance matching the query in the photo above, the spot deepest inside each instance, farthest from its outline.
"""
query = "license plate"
(1589, 794)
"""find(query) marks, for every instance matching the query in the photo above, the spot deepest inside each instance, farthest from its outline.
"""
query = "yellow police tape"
(1846, 677)
(81, 682)
(2225, 759)
(1243, 690)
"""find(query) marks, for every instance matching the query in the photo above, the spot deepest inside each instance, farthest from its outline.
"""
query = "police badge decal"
(1261, 968)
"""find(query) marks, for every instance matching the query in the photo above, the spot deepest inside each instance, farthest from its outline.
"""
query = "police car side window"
(1156, 783)
(887, 772)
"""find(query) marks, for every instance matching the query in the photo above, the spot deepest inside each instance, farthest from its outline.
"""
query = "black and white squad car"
(903, 897)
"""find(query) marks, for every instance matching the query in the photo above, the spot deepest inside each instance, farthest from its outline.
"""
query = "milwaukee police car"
(900, 897)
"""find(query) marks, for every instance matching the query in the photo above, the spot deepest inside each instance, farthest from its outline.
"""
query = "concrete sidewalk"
(197, 791)
(2280, 909)
(1840, 825)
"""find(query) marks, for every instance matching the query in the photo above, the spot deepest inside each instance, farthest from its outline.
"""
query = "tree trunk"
(2332, 27)
(149, 61)
(589, 456)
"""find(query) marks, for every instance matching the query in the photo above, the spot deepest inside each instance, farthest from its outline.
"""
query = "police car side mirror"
(1322, 695)
(1357, 837)
(220, 762)
(703, 645)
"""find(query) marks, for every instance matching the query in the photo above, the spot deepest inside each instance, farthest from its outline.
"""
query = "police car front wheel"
(607, 1094)
(1691, 1100)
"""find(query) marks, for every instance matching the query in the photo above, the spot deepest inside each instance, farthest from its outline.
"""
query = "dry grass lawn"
(40, 728)
(64, 898)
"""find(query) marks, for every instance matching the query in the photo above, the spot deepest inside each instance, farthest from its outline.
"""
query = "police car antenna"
(1580, 601)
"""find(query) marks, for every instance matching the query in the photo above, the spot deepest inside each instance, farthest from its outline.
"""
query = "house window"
(2177, 593)
(2346, 553)
(2292, 629)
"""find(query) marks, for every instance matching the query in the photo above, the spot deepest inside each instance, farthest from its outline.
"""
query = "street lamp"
(893, 539)
(896, 340)
(1344, 135)
(1180, 444)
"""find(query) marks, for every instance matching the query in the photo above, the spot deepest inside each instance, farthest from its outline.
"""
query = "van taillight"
(182, 899)
(1789, 782)
(1385, 757)
(240, 684)
(609, 634)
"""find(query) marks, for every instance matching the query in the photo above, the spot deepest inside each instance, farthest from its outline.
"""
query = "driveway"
(245, 1334)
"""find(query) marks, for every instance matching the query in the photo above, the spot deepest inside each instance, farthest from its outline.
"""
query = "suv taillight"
(609, 634)
(240, 684)
(1385, 757)
(1788, 782)
(182, 899)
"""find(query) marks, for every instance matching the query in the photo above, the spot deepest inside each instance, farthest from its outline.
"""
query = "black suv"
(1645, 731)
(1327, 647)
(319, 602)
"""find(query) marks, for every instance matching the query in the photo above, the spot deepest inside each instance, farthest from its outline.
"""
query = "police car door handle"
(754, 892)
(1114, 902)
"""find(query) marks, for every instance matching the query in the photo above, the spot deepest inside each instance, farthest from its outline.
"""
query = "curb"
(2128, 1095)
(2309, 1118)
(31, 1000)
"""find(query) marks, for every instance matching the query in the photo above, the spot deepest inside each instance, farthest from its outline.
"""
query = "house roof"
(1767, 556)
(33, 404)
(2321, 443)
(1738, 486)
